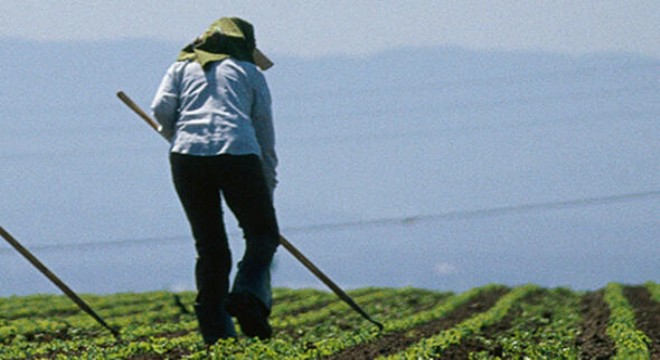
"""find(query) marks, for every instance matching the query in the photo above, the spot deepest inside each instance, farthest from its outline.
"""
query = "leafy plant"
(312, 324)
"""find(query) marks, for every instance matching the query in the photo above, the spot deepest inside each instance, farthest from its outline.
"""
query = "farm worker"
(215, 106)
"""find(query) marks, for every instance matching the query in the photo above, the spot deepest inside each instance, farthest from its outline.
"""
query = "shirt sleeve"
(166, 102)
(262, 119)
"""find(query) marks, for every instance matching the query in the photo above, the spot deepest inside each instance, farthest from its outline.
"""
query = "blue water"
(373, 158)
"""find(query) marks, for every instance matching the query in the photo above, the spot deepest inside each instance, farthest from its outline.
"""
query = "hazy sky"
(315, 28)
(376, 160)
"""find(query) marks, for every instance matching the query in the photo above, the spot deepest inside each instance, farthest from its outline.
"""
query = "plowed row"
(483, 323)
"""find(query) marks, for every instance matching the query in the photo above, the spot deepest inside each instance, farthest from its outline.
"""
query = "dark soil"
(647, 316)
(304, 309)
(593, 340)
(475, 344)
(397, 341)
(410, 299)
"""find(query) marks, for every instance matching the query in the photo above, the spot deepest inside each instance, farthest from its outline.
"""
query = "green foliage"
(654, 290)
(629, 342)
(546, 328)
(311, 324)
(435, 346)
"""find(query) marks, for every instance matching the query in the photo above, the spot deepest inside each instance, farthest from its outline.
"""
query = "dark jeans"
(201, 182)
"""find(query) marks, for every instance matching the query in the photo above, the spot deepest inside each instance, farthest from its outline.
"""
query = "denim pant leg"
(200, 196)
(250, 200)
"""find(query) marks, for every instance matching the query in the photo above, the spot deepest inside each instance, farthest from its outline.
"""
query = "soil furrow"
(410, 299)
(483, 341)
(593, 340)
(309, 308)
(395, 342)
(647, 316)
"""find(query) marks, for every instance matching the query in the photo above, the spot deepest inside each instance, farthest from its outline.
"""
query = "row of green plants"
(152, 332)
(433, 347)
(155, 310)
(629, 342)
(546, 328)
(325, 331)
(654, 290)
(313, 334)
(312, 324)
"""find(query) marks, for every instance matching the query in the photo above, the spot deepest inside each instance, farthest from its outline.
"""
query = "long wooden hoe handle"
(283, 241)
(131, 104)
(327, 281)
(55, 280)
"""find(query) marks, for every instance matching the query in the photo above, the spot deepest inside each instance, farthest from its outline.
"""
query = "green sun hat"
(226, 37)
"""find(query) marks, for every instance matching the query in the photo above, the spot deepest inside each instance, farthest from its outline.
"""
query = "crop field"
(523, 322)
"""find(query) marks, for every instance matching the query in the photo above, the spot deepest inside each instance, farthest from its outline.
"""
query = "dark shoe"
(214, 325)
(251, 314)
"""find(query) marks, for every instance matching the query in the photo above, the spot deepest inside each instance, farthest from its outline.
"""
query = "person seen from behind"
(215, 106)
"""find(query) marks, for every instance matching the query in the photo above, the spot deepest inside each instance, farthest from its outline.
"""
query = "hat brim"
(261, 60)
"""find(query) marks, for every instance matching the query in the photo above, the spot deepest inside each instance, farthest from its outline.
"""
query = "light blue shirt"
(223, 110)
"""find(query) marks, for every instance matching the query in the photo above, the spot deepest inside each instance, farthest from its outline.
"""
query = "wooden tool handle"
(56, 280)
(123, 97)
(283, 241)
